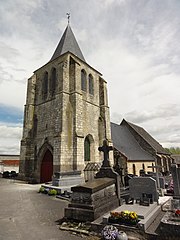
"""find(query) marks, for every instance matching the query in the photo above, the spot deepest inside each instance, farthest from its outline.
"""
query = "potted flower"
(109, 232)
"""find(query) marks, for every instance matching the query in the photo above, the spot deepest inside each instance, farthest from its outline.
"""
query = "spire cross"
(68, 16)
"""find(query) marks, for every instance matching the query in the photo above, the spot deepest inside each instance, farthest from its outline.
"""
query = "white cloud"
(10, 139)
(135, 46)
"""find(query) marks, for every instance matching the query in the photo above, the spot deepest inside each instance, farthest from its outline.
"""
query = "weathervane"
(68, 16)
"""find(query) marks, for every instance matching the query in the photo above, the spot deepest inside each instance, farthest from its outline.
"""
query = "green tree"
(173, 150)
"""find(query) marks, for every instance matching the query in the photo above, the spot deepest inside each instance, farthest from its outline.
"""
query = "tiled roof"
(124, 141)
(68, 43)
(147, 137)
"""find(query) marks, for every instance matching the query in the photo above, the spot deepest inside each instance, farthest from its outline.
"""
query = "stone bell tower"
(66, 115)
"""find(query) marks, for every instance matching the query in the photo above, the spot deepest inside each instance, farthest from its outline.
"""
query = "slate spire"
(68, 43)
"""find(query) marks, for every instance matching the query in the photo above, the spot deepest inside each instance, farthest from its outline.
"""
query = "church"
(136, 150)
(66, 115)
(66, 119)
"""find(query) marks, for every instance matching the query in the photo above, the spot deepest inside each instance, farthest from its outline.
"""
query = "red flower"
(177, 212)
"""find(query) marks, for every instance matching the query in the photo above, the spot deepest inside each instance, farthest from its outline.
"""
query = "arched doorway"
(47, 167)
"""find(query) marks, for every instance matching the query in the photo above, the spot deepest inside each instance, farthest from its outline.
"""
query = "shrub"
(52, 192)
(42, 190)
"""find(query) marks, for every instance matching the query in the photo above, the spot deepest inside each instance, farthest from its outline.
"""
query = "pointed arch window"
(91, 85)
(35, 124)
(87, 152)
(45, 85)
(53, 80)
(83, 80)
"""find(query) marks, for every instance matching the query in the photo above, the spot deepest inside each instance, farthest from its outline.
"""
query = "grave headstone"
(175, 204)
(161, 181)
(143, 186)
(90, 200)
(170, 223)
(175, 170)
(156, 167)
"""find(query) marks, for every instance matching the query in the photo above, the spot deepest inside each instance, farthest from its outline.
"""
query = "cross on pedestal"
(105, 149)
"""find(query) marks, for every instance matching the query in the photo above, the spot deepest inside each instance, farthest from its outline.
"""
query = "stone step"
(146, 222)
(152, 229)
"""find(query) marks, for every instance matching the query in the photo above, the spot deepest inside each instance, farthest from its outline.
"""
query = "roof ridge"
(134, 126)
(125, 142)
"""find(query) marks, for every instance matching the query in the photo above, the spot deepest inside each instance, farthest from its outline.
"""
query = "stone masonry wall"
(62, 120)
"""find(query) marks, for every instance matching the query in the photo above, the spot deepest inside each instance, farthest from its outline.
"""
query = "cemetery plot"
(90, 200)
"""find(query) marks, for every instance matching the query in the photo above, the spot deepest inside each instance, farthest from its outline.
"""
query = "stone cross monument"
(106, 171)
(105, 149)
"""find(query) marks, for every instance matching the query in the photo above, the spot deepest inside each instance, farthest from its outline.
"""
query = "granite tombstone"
(141, 187)
(175, 170)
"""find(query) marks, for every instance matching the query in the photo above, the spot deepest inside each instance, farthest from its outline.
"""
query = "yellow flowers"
(133, 215)
(124, 217)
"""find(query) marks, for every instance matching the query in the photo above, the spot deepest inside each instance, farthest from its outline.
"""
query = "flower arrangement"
(126, 217)
(109, 232)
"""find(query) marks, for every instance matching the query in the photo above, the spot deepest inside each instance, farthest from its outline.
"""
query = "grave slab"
(145, 214)
(92, 199)
(142, 211)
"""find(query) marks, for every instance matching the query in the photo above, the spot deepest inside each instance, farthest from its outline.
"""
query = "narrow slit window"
(83, 80)
(91, 85)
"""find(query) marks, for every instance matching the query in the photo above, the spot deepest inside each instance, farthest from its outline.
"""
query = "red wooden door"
(47, 167)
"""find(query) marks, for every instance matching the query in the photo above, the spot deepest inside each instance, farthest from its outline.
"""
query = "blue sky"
(10, 114)
(133, 43)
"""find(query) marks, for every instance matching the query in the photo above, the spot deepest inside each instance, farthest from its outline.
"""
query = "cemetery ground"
(27, 215)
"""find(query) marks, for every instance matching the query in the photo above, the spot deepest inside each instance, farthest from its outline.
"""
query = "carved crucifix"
(105, 149)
